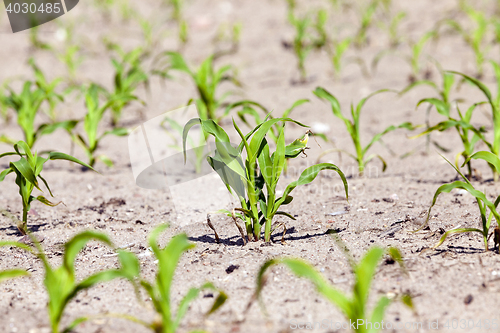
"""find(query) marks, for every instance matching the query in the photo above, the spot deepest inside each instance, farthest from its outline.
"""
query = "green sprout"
(160, 291)
(469, 135)
(36, 42)
(355, 307)
(26, 104)
(393, 29)
(414, 59)
(91, 123)
(475, 37)
(27, 170)
(367, 16)
(128, 76)
(494, 102)
(305, 40)
(60, 282)
(481, 199)
(49, 88)
(227, 34)
(72, 58)
(354, 130)
(337, 50)
(206, 79)
(255, 180)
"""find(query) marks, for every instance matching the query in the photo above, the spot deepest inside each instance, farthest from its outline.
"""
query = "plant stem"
(267, 231)
(23, 228)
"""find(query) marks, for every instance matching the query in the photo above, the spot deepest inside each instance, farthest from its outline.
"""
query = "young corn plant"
(469, 135)
(61, 283)
(393, 29)
(72, 58)
(482, 201)
(49, 89)
(26, 105)
(354, 307)
(128, 76)
(160, 291)
(227, 34)
(414, 59)
(309, 35)
(354, 130)
(255, 180)
(367, 18)
(206, 79)
(93, 118)
(475, 38)
(250, 109)
(28, 170)
(494, 102)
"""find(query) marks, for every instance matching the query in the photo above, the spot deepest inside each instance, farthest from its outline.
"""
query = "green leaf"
(364, 272)
(488, 157)
(441, 107)
(456, 231)
(446, 188)
(302, 269)
(12, 273)
(307, 176)
(77, 243)
(391, 128)
(61, 156)
(49, 128)
(44, 200)
(23, 167)
(379, 313)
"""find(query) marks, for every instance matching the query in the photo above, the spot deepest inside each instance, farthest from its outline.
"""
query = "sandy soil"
(457, 281)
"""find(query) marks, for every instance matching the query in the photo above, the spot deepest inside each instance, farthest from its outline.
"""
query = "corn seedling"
(494, 103)
(26, 105)
(72, 58)
(393, 29)
(414, 59)
(227, 34)
(255, 180)
(206, 79)
(353, 128)
(27, 170)
(354, 307)
(49, 88)
(128, 76)
(60, 282)
(36, 42)
(475, 37)
(481, 199)
(308, 35)
(367, 16)
(160, 291)
(469, 135)
(91, 122)
(337, 50)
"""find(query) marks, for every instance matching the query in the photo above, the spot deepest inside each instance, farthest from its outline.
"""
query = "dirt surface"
(457, 281)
